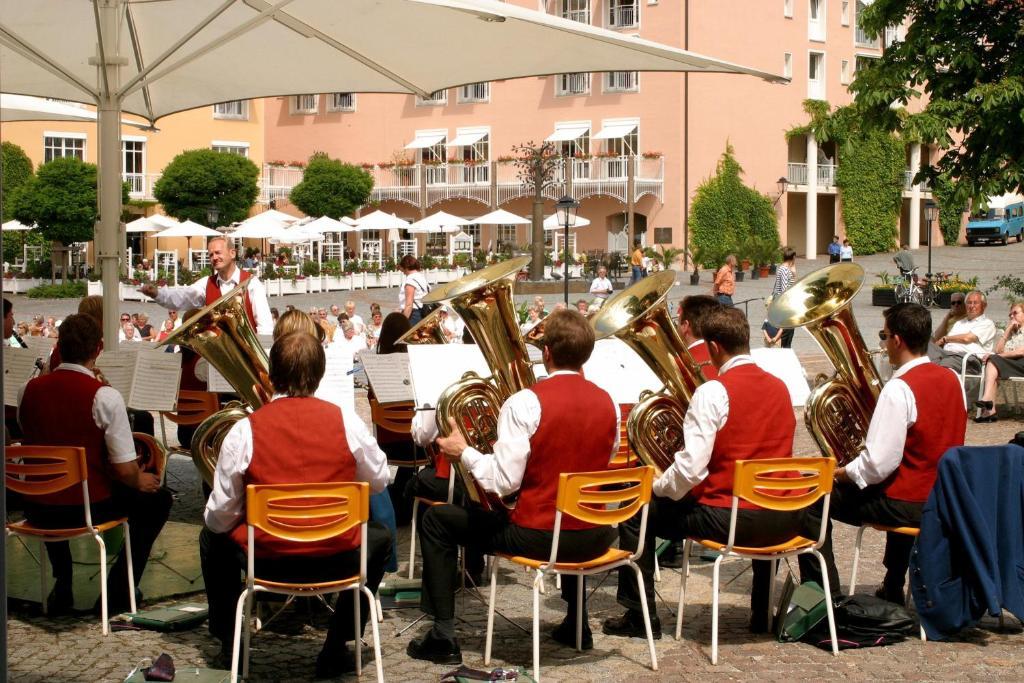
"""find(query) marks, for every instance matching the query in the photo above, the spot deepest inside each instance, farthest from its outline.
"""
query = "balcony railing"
(796, 174)
(908, 182)
(863, 40)
(573, 84)
(580, 15)
(623, 16)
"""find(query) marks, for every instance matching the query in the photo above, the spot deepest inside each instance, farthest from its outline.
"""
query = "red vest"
(213, 293)
(577, 433)
(298, 440)
(56, 410)
(760, 425)
(700, 355)
(941, 424)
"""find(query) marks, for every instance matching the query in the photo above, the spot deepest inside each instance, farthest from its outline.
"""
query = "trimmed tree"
(331, 188)
(725, 213)
(15, 170)
(200, 179)
(61, 199)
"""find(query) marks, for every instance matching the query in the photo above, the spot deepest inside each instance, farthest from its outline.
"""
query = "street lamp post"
(931, 212)
(566, 210)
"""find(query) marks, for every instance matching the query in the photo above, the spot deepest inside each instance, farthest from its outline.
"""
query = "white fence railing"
(796, 174)
(624, 15)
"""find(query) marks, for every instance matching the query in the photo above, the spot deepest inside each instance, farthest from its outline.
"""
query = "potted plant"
(883, 293)
(699, 256)
(952, 285)
(768, 249)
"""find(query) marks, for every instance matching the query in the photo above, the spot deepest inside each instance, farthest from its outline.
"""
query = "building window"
(623, 14)
(434, 159)
(474, 232)
(475, 155)
(506, 237)
(438, 98)
(622, 81)
(576, 10)
(572, 84)
(475, 92)
(60, 145)
(787, 8)
(844, 72)
(816, 76)
(342, 101)
(816, 20)
(892, 34)
(304, 104)
(133, 164)
(225, 147)
(844, 13)
(236, 109)
(862, 61)
(625, 146)
(787, 64)
(861, 38)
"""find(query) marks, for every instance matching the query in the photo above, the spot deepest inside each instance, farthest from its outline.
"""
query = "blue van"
(1000, 220)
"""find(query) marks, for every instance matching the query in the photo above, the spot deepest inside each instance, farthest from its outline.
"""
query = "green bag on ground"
(800, 609)
(172, 618)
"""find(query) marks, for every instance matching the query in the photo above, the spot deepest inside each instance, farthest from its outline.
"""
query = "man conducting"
(274, 445)
(226, 276)
(744, 414)
(91, 415)
(562, 424)
(920, 414)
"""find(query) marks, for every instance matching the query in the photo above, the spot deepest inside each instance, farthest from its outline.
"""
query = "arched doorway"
(620, 235)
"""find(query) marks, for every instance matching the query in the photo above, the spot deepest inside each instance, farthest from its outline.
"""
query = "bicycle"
(924, 291)
(907, 288)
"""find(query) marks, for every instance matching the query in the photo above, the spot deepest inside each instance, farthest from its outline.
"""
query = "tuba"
(839, 408)
(483, 299)
(639, 316)
(224, 336)
(426, 331)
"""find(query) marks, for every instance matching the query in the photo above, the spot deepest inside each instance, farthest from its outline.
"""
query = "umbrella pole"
(110, 249)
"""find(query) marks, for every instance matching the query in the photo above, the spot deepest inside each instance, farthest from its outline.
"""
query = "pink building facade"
(636, 146)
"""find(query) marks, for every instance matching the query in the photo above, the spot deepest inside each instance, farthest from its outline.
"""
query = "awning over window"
(614, 131)
(466, 139)
(424, 140)
(567, 133)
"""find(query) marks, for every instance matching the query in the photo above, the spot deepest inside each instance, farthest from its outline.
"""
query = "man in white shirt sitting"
(348, 341)
(354, 318)
(601, 286)
(971, 334)
(226, 276)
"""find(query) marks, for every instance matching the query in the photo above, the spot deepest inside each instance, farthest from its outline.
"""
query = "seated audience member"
(275, 314)
(956, 312)
(743, 414)
(357, 321)
(166, 331)
(131, 335)
(973, 334)
(1005, 361)
(145, 330)
(920, 414)
(373, 329)
(538, 303)
(582, 306)
(335, 311)
(93, 416)
(532, 319)
(348, 341)
(601, 285)
(275, 445)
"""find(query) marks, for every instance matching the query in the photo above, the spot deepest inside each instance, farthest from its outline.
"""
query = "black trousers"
(146, 512)
(677, 520)
(857, 506)
(426, 484)
(446, 527)
(223, 562)
(787, 338)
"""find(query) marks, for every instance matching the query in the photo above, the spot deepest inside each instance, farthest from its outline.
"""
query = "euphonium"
(426, 331)
(639, 316)
(839, 409)
(483, 300)
(222, 334)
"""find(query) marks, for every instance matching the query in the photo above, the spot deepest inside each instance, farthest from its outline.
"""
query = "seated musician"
(275, 445)
(562, 424)
(91, 415)
(920, 414)
(744, 414)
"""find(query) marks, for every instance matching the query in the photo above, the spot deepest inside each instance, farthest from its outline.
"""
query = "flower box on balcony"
(375, 280)
(296, 286)
(334, 283)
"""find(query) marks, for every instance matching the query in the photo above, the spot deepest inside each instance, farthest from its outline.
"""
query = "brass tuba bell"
(839, 409)
(426, 331)
(639, 316)
(223, 335)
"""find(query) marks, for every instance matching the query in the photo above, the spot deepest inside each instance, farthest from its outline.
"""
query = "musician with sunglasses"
(919, 415)
(561, 424)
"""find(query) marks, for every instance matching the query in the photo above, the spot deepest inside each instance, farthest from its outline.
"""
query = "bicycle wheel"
(902, 293)
(928, 297)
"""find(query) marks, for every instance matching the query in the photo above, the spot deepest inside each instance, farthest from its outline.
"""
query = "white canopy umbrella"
(551, 222)
(189, 229)
(25, 108)
(163, 221)
(439, 222)
(378, 220)
(325, 224)
(349, 221)
(259, 231)
(274, 215)
(16, 226)
(143, 224)
(501, 217)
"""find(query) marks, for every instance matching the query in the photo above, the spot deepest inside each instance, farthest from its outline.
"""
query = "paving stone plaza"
(70, 649)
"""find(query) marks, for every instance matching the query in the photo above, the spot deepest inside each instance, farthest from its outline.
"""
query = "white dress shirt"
(981, 327)
(424, 427)
(502, 472)
(109, 413)
(348, 346)
(707, 414)
(357, 323)
(194, 296)
(895, 413)
(601, 285)
(226, 507)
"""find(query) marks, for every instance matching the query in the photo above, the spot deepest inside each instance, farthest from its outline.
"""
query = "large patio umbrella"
(141, 226)
(24, 108)
(16, 226)
(163, 221)
(501, 217)
(187, 229)
(439, 222)
(551, 222)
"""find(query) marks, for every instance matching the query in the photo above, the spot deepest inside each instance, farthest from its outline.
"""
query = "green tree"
(15, 170)
(331, 188)
(965, 57)
(61, 200)
(725, 213)
(200, 179)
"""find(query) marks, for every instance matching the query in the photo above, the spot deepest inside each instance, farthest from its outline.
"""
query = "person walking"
(785, 275)
(725, 281)
(636, 262)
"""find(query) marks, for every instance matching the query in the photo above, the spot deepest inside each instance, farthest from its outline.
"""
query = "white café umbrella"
(143, 224)
(439, 222)
(187, 229)
(163, 221)
(325, 224)
(25, 108)
(551, 223)
(378, 220)
(501, 217)
(16, 226)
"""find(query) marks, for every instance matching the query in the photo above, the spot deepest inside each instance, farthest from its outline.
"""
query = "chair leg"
(647, 615)
(771, 590)
(376, 640)
(131, 569)
(356, 641)
(682, 589)
(490, 611)
(714, 608)
(104, 609)
(42, 576)
(412, 538)
(856, 560)
(828, 602)
(657, 569)
(579, 612)
(538, 580)
(236, 643)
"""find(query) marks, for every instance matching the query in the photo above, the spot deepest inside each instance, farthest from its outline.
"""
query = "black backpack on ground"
(864, 621)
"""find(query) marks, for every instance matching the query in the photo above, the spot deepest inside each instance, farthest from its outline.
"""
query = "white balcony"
(796, 174)
(623, 15)
(572, 84)
(908, 182)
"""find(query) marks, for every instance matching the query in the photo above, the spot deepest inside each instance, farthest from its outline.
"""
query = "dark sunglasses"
(956, 302)
(883, 335)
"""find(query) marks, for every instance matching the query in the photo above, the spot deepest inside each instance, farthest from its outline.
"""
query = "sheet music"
(389, 376)
(154, 373)
(130, 346)
(784, 364)
(617, 369)
(40, 346)
(118, 367)
(19, 364)
(337, 386)
(434, 367)
(217, 383)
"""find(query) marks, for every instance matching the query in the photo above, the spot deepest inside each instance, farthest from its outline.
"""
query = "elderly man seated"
(972, 334)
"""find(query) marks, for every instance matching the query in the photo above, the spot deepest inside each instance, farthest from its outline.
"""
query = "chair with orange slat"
(784, 484)
(625, 457)
(304, 513)
(603, 498)
(192, 408)
(41, 470)
(912, 531)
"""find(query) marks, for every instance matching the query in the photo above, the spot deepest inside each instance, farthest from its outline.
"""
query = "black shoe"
(629, 625)
(894, 595)
(334, 664)
(987, 418)
(565, 633)
(222, 660)
(984, 405)
(60, 602)
(672, 557)
(433, 649)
